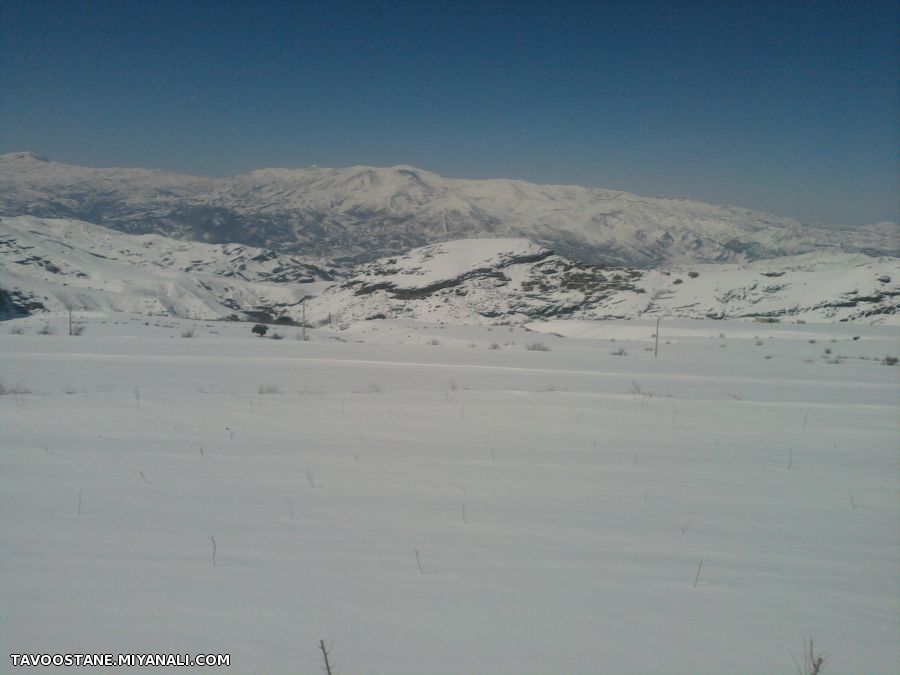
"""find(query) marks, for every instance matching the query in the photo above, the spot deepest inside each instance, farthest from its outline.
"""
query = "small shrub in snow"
(17, 330)
(15, 389)
(77, 329)
(619, 352)
(537, 347)
(47, 329)
(812, 342)
(494, 345)
(260, 329)
(472, 345)
(812, 663)
(187, 333)
(434, 342)
(827, 350)
(266, 389)
(277, 336)
(889, 361)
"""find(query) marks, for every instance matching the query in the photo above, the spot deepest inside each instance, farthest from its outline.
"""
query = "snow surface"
(593, 484)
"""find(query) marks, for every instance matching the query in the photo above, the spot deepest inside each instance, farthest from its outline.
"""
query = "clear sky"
(790, 107)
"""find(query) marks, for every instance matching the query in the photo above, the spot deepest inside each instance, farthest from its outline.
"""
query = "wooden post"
(325, 656)
(656, 346)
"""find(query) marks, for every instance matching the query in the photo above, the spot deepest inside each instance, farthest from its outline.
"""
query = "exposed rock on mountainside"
(363, 213)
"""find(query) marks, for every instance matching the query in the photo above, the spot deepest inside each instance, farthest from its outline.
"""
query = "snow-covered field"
(447, 499)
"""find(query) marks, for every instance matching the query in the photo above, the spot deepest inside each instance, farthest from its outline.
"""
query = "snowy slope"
(486, 281)
(362, 213)
(53, 263)
(428, 505)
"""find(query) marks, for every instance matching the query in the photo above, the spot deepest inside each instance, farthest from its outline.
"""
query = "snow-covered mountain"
(498, 280)
(51, 264)
(363, 213)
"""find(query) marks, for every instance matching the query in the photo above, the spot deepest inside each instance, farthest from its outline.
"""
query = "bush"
(17, 330)
(494, 345)
(537, 347)
(889, 361)
(77, 329)
(277, 336)
(47, 329)
(187, 333)
(15, 389)
(266, 389)
(260, 329)
(619, 352)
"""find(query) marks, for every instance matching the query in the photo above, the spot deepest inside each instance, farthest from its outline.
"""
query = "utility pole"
(304, 319)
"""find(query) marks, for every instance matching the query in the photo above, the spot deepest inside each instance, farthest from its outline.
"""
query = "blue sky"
(789, 107)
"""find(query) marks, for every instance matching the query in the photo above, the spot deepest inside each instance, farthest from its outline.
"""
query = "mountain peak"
(26, 155)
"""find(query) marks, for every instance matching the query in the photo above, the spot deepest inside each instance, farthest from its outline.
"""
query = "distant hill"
(510, 280)
(53, 264)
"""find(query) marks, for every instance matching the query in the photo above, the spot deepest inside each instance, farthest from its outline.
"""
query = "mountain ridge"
(363, 213)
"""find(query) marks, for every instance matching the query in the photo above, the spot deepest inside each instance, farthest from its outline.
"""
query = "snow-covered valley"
(438, 499)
